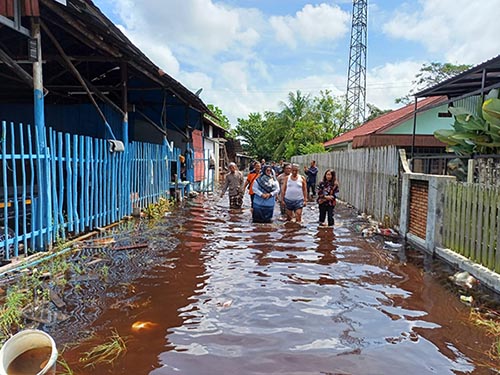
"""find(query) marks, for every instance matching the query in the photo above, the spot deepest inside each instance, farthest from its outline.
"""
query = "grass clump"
(492, 328)
(105, 353)
(11, 311)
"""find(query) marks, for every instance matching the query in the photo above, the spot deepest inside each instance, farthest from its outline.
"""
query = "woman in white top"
(294, 194)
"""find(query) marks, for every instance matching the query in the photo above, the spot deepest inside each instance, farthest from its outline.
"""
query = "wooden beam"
(73, 70)
(20, 72)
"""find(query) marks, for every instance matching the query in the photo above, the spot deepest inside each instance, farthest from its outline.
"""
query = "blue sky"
(247, 55)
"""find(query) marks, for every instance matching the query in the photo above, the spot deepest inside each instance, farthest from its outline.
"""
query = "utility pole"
(356, 78)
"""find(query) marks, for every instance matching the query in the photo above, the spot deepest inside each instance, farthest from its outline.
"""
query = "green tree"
(300, 127)
(375, 112)
(430, 75)
(252, 135)
(221, 119)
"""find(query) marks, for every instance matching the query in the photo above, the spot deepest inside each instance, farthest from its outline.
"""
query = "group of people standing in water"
(289, 188)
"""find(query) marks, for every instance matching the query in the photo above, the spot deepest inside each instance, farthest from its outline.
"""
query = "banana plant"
(473, 133)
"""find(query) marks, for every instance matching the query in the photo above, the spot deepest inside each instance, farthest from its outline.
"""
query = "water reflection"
(232, 296)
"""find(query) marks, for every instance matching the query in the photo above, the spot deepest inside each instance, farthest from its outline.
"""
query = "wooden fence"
(472, 222)
(72, 185)
(369, 179)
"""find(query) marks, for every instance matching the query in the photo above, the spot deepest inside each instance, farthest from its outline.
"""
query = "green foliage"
(11, 311)
(473, 133)
(251, 131)
(429, 75)
(106, 353)
(375, 112)
(301, 127)
(158, 210)
(221, 119)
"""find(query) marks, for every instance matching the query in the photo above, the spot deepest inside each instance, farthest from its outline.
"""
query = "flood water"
(217, 294)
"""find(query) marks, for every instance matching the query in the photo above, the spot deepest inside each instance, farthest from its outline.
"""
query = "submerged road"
(221, 295)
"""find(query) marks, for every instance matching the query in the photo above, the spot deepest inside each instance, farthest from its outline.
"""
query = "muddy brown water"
(216, 294)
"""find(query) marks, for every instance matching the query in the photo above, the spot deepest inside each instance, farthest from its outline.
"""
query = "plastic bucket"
(24, 341)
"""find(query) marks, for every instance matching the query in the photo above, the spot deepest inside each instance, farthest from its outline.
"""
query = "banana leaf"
(493, 94)
(473, 123)
(458, 111)
(444, 135)
(491, 111)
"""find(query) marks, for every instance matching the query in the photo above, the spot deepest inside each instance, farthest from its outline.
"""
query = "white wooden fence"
(368, 178)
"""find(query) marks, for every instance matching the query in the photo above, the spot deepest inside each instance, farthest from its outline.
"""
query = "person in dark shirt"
(311, 174)
(327, 197)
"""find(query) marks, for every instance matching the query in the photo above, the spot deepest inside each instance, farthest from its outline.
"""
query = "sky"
(248, 55)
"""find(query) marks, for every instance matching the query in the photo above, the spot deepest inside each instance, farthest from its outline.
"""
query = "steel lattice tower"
(356, 78)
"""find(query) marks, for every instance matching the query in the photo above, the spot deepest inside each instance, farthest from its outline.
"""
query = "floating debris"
(466, 299)
(464, 279)
(143, 326)
(393, 245)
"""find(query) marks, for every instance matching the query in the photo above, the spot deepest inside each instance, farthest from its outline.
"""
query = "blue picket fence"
(73, 185)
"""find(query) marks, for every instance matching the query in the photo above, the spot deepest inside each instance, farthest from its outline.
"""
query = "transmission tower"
(356, 77)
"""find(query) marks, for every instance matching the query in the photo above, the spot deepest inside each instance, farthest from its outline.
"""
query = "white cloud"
(464, 31)
(312, 25)
(161, 55)
(393, 80)
(201, 25)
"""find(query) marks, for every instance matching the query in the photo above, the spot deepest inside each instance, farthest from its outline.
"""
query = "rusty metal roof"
(29, 8)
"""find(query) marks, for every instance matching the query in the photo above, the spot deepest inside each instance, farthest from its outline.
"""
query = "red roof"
(384, 122)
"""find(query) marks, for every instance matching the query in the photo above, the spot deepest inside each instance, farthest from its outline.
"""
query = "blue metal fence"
(73, 185)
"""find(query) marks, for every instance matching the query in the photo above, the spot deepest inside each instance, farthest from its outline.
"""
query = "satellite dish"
(197, 93)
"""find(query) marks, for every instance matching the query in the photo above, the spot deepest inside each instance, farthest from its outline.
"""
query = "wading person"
(327, 190)
(287, 169)
(234, 183)
(294, 194)
(311, 174)
(265, 189)
(252, 176)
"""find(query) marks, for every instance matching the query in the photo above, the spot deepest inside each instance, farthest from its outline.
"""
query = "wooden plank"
(15, 184)
(5, 203)
(92, 192)
(474, 205)
(81, 174)
(88, 157)
(453, 210)
(497, 249)
(24, 195)
(55, 201)
(32, 185)
(74, 182)
(479, 229)
(463, 219)
(447, 215)
(485, 227)
(69, 183)
(468, 221)
(493, 230)
(458, 219)
(60, 180)
(41, 201)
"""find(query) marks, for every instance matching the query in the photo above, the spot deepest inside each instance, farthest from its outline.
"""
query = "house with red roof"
(396, 128)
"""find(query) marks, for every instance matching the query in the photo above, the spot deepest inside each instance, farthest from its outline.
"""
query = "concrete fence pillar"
(435, 209)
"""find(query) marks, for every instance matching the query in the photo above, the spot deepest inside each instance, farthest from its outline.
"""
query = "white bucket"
(24, 341)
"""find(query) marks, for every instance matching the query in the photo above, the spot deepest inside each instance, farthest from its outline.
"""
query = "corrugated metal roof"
(384, 122)
(469, 82)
